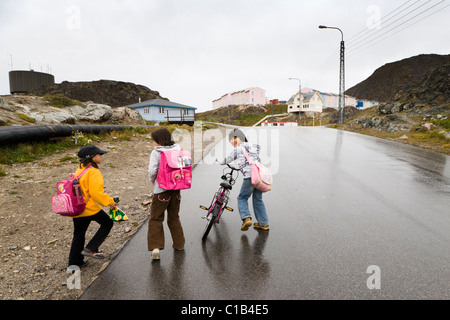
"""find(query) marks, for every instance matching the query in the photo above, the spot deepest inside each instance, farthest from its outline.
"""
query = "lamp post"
(341, 73)
(299, 100)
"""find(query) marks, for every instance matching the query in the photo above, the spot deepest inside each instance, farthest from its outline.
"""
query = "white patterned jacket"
(242, 163)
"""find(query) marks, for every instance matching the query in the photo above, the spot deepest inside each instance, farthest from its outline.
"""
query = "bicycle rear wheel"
(210, 223)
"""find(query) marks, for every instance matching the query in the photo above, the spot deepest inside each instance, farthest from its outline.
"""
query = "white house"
(331, 100)
(162, 110)
(310, 102)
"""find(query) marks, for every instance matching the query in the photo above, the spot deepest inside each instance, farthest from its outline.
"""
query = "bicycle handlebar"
(232, 168)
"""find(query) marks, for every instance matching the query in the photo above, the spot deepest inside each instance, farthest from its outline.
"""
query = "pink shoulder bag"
(260, 175)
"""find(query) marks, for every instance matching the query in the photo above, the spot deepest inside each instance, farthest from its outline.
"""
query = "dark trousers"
(170, 201)
(80, 226)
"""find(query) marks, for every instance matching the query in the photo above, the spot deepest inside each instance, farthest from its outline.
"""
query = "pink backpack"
(261, 176)
(69, 199)
(175, 170)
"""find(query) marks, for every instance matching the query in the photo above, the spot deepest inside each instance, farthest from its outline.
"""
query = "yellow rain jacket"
(91, 184)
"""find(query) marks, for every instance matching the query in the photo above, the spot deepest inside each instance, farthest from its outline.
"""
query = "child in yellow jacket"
(91, 183)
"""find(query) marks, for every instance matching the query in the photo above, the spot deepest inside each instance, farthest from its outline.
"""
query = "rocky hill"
(406, 80)
(415, 108)
(109, 92)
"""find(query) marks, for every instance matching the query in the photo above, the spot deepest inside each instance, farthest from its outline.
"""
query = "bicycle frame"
(220, 200)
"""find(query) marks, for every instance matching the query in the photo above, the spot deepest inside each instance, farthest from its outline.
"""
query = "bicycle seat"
(226, 185)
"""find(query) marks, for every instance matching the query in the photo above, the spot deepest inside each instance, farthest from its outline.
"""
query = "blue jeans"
(258, 205)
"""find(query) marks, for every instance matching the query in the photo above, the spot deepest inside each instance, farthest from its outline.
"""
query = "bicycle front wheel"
(210, 223)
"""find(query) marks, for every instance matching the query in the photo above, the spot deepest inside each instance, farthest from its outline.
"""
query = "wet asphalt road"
(341, 203)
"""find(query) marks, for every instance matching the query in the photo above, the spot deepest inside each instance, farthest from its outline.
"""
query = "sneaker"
(247, 222)
(73, 267)
(89, 253)
(85, 263)
(256, 225)
(155, 254)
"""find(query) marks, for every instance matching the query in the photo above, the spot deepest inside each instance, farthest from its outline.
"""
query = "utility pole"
(341, 102)
(342, 78)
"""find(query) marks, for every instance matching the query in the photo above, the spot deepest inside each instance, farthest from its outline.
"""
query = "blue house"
(164, 111)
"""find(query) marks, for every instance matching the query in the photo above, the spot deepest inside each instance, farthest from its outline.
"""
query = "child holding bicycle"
(238, 140)
(163, 200)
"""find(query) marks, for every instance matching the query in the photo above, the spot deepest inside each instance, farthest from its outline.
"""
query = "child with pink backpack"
(91, 184)
(169, 170)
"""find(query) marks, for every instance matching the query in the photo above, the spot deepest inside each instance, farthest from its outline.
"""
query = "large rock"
(96, 113)
(390, 108)
(92, 113)
(124, 115)
(61, 116)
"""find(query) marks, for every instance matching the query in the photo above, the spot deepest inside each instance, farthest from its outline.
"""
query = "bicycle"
(220, 200)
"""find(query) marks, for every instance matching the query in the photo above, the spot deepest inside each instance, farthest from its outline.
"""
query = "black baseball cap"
(90, 151)
(237, 133)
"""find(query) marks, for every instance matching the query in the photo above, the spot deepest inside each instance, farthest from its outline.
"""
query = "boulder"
(95, 113)
(390, 108)
(92, 113)
(55, 117)
(393, 127)
(126, 115)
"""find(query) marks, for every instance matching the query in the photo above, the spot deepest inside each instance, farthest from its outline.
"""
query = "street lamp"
(299, 100)
(341, 73)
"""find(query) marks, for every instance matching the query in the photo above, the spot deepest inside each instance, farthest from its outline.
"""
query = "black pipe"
(17, 134)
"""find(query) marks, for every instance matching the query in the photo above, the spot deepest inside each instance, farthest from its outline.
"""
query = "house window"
(146, 110)
(186, 112)
(161, 109)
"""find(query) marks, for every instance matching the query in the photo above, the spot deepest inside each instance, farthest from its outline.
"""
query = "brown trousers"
(170, 201)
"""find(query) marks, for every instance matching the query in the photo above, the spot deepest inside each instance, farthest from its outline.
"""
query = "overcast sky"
(194, 51)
